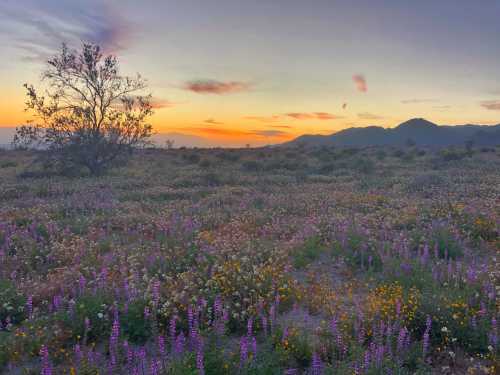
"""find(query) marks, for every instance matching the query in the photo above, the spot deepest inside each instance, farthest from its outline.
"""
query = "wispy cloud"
(271, 133)
(312, 115)
(492, 105)
(441, 107)
(272, 118)
(369, 116)
(158, 103)
(281, 126)
(418, 101)
(212, 121)
(41, 27)
(210, 86)
(360, 82)
(217, 131)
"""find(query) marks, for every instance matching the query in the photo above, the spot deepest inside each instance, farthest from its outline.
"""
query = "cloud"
(272, 118)
(41, 27)
(212, 121)
(158, 103)
(369, 116)
(312, 116)
(209, 86)
(270, 133)
(360, 82)
(492, 105)
(442, 107)
(216, 131)
(281, 126)
(418, 101)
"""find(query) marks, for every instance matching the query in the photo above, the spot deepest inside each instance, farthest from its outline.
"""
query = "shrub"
(251, 166)
(89, 115)
(364, 165)
(12, 304)
(308, 252)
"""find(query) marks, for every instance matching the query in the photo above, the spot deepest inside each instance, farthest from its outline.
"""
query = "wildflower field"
(254, 261)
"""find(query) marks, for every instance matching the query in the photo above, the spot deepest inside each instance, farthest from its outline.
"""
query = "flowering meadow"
(254, 261)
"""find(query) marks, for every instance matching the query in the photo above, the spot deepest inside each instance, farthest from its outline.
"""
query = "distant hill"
(417, 131)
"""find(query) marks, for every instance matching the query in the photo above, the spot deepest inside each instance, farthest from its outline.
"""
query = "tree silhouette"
(88, 115)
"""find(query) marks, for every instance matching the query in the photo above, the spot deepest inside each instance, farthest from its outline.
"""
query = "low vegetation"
(271, 261)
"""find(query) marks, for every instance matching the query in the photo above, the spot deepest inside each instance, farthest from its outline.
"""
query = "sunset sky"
(232, 72)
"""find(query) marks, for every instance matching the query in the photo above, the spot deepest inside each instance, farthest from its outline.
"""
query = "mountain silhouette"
(417, 131)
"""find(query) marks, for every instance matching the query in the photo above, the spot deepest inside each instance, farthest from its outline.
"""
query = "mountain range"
(417, 131)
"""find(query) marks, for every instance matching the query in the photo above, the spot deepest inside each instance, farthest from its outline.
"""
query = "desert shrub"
(251, 166)
(381, 154)
(326, 168)
(231, 156)
(205, 163)
(191, 158)
(89, 116)
(8, 164)
(452, 154)
(398, 153)
(364, 165)
(212, 179)
(310, 251)
(423, 182)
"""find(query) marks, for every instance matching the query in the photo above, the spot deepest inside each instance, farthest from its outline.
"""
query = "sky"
(237, 72)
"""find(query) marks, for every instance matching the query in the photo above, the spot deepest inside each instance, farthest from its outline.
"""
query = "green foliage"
(96, 308)
(12, 303)
(310, 251)
(135, 327)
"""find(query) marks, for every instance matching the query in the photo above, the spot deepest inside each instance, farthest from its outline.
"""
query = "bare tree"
(89, 115)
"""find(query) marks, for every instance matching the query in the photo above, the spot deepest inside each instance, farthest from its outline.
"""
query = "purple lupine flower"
(493, 335)
(81, 284)
(190, 318)
(200, 365)
(217, 305)
(29, 306)
(156, 292)
(264, 324)
(78, 353)
(243, 351)
(366, 360)
(401, 339)
(249, 327)
(129, 353)
(161, 345)
(379, 355)
(316, 365)
(179, 344)
(333, 326)
(172, 328)
(46, 366)
(154, 368)
(254, 346)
